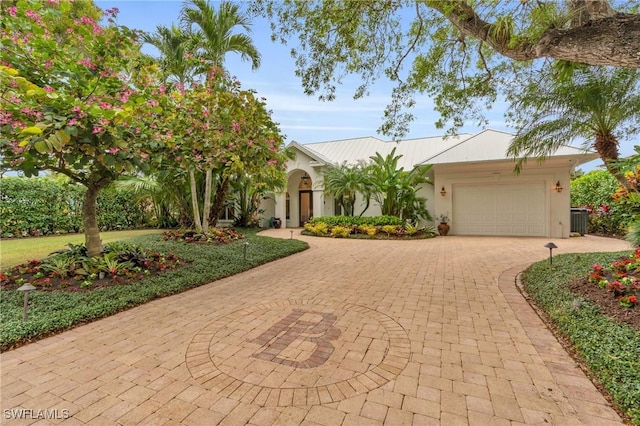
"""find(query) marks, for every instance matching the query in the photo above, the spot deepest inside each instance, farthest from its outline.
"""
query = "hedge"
(43, 206)
(356, 221)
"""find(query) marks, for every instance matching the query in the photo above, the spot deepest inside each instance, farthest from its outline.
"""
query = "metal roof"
(352, 151)
(488, 145)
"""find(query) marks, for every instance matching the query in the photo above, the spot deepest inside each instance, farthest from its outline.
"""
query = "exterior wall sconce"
(443, 191)
(558, 188)
(305, 178)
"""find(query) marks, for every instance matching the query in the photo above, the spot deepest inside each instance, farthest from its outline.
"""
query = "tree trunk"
(218, 202)
(194, 201)
(207, 201)
(607, 147)
(90, 221)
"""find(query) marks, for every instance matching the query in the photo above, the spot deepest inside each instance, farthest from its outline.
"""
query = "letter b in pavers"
(293, 336)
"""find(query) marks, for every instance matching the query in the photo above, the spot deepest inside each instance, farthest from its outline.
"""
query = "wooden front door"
(306, 206)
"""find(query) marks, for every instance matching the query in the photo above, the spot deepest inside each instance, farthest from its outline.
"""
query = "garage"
(505, 209)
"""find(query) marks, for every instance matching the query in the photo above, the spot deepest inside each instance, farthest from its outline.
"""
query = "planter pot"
(277, 223)
(443, 229)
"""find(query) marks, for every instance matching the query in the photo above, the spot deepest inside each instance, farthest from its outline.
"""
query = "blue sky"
(302, 118)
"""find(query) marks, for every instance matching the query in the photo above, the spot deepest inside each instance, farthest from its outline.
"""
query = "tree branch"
(609, 38)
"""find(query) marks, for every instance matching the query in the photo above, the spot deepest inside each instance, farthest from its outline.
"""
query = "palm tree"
(212, 32)
(176, 49)
(600, 105)
(343, 182)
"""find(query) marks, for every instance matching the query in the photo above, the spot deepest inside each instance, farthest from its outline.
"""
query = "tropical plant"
(58, 265)
(395, 189)
(344, 182)
(176, 48)
(212, 32)
(340, 231)
(599, 105)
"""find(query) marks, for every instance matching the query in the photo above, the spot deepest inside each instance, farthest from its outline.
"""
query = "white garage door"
(500, 209)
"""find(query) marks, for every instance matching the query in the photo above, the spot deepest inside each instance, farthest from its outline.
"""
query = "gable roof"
(487, 145)
(490, 145)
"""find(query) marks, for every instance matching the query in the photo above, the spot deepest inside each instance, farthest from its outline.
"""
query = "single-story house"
(474, 183)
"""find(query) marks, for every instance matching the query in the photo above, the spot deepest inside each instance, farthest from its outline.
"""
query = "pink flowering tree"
(227, 134)
(82, 103)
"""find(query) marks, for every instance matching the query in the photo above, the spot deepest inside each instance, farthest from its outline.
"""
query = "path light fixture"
(291, 234)
(443, 191)
(550, 246)
(246, 245)
(558, 188)
(25, 288)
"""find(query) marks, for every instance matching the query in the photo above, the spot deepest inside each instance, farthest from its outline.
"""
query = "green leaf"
(32, 130)
(41, 146)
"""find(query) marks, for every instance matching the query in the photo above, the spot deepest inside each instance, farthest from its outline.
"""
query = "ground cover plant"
(377, 227)
(605, 337)
(54, 311)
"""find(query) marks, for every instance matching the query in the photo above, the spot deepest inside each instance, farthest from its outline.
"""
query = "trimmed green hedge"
(611, 350)
(55, 311)
(357, 221)
(43, 206)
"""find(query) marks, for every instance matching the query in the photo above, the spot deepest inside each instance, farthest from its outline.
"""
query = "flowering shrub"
(621, 278)
(213, 236)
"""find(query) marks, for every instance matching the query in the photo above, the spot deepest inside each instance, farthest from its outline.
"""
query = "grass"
(609, 349)
(20, 250)
(54, 311)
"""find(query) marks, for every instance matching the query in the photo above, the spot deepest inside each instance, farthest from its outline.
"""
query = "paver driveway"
(348, 332)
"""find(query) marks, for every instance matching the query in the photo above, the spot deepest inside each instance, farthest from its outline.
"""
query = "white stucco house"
(474, 183)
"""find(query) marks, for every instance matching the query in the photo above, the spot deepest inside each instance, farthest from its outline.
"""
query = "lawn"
(610, 349)
(20, 250)
(57, 310)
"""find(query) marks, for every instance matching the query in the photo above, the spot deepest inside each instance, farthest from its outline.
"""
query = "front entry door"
(306, 206)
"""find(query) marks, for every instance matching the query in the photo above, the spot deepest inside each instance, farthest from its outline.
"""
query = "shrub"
(340, 231)
(595, 192)
(390, 229)
(369, 230)
(318, 228)
(357, 221)
(48, 205)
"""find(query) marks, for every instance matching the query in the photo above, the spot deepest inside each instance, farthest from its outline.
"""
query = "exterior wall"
(443, 175)
(550, 172)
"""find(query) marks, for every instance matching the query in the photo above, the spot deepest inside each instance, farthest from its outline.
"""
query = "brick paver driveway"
(348, 332)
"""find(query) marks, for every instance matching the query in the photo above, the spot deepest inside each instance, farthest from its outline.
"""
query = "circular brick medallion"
(298, 352)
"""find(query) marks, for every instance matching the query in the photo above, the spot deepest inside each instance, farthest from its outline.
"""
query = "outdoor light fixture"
(246, 245)
(558, 188)
(26, 288)
(550, 246)
(443, 191)
(305, 178)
